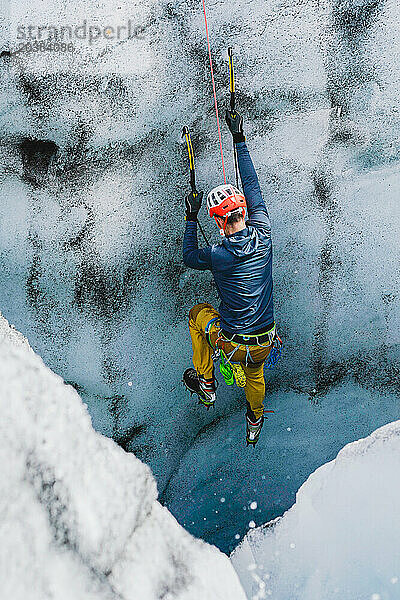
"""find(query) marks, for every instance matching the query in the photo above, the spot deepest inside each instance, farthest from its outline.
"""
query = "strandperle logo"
(83, 32)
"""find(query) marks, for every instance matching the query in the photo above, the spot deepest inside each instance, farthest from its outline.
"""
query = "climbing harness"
(263, 339)
(234, 372)
(229, 371)
(186, 135)
(232, 106)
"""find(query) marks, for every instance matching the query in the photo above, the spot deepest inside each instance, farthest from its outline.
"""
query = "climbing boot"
(253, 428)
(203, 388)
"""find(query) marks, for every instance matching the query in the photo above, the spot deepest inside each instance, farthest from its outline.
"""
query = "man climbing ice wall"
(243, 333)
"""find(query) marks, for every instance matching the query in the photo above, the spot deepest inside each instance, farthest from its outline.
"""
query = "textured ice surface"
(340, 539)
(92, 176)
(79, 516)
(297, 438)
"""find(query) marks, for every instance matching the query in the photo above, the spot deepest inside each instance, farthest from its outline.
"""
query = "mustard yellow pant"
(199, 316)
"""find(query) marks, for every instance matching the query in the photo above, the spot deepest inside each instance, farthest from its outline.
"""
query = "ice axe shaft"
(231, 79)
(186, 135)
(232, 105)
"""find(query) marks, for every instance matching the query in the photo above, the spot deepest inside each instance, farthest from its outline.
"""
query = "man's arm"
(192, 256)
(256, 207)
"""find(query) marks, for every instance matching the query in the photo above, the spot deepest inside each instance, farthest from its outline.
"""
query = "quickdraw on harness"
(233, 372)
(275, 354)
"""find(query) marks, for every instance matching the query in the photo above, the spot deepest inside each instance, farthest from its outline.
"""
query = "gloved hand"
(235, 123)
(193, 204)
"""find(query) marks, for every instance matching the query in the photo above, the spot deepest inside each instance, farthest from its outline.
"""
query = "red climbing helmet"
(224, 200)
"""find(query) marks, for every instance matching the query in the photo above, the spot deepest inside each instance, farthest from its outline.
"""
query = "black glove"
(193, 204)
(235, 123)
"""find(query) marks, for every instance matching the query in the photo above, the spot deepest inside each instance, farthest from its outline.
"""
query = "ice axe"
(232, 107)
(186, 135)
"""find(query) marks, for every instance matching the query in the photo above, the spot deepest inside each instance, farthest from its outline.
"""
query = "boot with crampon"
(203, 388)
(253, 427)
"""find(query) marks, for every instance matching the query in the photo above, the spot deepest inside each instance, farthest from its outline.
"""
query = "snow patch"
(340, 539)
(80, 518)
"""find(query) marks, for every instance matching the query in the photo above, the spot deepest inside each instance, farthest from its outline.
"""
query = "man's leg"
(199, 316)
(200, 380)
(255, 389)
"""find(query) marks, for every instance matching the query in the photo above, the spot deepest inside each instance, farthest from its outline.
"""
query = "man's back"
(242, 270)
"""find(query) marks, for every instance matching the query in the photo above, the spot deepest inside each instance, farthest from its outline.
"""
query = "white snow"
(340, 539)
(79, 516)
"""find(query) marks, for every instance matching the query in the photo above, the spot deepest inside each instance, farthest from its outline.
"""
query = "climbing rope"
(215, 94)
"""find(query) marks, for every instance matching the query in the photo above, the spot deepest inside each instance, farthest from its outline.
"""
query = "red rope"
(215, 95)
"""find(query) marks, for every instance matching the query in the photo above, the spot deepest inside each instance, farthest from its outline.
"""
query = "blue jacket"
(242, 264)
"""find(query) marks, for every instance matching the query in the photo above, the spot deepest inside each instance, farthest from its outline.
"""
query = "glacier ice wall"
(340, 538)
(79, 515)
(92, 175)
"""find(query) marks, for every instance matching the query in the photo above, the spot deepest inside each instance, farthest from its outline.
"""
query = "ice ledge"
(340, 539)
(80, 517)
